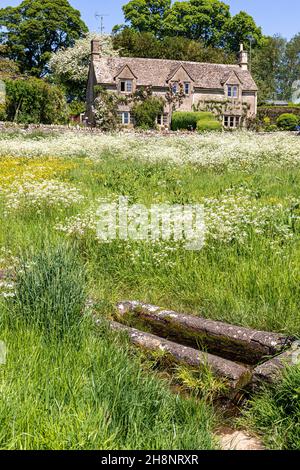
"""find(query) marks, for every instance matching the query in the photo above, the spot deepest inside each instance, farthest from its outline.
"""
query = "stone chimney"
(243, 58)
(95, 49)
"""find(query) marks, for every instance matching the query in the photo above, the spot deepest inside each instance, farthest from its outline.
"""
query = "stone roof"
(157, 72)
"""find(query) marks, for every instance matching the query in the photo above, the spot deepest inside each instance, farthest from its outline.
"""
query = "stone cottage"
(227, 90)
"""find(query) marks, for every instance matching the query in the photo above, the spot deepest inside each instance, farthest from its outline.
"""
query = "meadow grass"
(247, 274)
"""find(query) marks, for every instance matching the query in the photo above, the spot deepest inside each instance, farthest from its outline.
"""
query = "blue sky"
(275, 16)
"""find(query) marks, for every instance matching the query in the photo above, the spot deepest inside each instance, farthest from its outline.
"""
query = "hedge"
(208, 125)
(188, 120)
(288, 122)
(273, 112)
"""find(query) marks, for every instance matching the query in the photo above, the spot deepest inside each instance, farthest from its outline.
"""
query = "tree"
(290, 71)
(208, 21)
(199, 20)
(34, 101)
(238, 30)
(8, 68)
(134, 44)
(267, 65)
(147, 15)
(35, 29)
(69, 67)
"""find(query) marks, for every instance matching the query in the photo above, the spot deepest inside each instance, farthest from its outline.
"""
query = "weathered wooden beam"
(270, 372)
(232, 342)
(236, 376)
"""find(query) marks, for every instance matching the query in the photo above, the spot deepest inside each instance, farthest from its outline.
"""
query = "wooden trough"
(245, 358)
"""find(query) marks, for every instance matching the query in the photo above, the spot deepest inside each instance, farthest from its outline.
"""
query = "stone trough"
(243, 357)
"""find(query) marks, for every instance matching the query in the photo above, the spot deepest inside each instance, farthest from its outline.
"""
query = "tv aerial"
(101, 16)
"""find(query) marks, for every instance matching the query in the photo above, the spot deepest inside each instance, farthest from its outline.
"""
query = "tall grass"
(87, 394)
(275, 413)
(50, 291)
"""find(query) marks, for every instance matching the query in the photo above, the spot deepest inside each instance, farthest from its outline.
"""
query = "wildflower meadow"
(94, 391)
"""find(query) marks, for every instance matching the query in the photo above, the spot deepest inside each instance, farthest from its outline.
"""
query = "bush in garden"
(287, 122)
(182, 120)
(208, 125)
(34, 101)
(146, 112)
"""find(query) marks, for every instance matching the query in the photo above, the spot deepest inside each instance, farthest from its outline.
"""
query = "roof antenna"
(101, 16)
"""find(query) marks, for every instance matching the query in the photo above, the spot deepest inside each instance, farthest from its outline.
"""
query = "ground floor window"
(125, 118)
(231, 122)
(162, 120)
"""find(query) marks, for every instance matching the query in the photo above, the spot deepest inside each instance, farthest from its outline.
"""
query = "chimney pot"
(243, 58)
(95, 49)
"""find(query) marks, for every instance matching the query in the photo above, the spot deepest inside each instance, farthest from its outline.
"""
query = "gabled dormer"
(232, 86)
(180, 75)
(126, 80)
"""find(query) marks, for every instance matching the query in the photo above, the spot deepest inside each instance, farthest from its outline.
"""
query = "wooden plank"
(232, 342)
(235, 375)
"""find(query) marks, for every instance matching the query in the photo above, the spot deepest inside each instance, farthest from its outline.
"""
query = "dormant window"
(126, 86)
(232, 91)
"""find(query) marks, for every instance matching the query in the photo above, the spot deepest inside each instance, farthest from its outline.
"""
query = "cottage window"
(126, 86)
(175, 88)
(162, 120)
(125, 118)
(232, 91)
(186, 88)
(231, 122)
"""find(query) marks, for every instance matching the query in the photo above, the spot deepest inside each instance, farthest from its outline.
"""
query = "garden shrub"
(146, 112)
(208, 125)
(182, 120)
(106, 109)
(34, 101)
(287, 122)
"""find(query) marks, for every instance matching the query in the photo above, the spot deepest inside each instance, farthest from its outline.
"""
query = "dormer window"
(232, 91)
(187, 88)
(175, 88)
(126, 86)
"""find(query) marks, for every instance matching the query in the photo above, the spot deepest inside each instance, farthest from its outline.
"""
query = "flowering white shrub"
(40, 194)
(72, 64)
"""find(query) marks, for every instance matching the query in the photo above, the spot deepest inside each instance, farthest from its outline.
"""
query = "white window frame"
(128, 86)
(187, 88)
(125, 121)
(175, 88)
(231, 122)
(232, 91)
(160, 120)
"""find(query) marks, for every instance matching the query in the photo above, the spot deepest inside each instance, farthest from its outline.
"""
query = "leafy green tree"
(290, 70)
(208, 21)
(147, 15)
(35, 29)
(267, 65)
(134, 44)
(34, 101)
(199, 20)
(238, 30)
